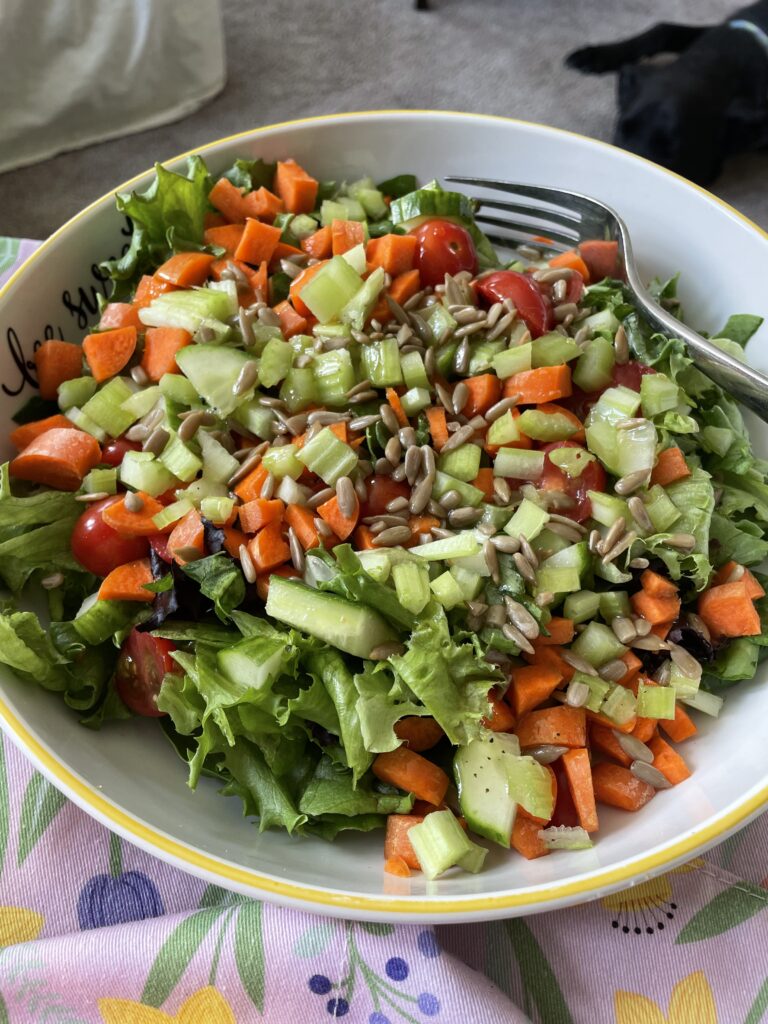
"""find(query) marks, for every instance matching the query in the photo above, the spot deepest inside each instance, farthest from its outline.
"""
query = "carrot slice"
(296, 188)
(571, 261)
(601, 258)
(397, 406)
(233, 539)
(341, 524)
(185, 269)
(396, 841)
(545, 384)
(634, 666)
(258, 242)
(532, 685)
(656, 585)
(418, 733)
(525, 838)
(484, 391)
(579, 774)
(397, 866)
(618, 787)
(438, 426)
(604, 740)
(667, 760)
(561, 631)
(133, 524)
(250, 486)
(57, 361)
(728, 610)
(259, 512)
(262, 204)
(268, 549)
(739, 572)
(551, 658)
(302, 522)
(108, 352)
(561, 726)
(484, 482)
(345, 235)
(657, 610)
(120, 314)
(291, 322)
(160, 347)
(319, 244)
(402, 288)
(227, 237)
(287, 572)
(413, 773)
(681, 727)
(149, 288)
(227, 199)
(393, 253)
(27, 432)
(127, 582)
(670, 466)
(500, 717)
(59, 457)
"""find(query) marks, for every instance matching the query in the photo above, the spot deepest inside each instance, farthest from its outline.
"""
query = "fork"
(567, 218)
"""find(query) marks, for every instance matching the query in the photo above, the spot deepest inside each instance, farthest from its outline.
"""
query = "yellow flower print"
(19, 925)
(642, 909)
(692, 1002)
(206, 1006)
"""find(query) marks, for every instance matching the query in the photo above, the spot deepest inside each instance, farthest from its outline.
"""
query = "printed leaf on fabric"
(730, 908)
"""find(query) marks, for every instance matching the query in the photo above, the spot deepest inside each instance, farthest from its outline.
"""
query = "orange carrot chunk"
(571, 261)
(228, 237)
(413, 773)
(618, 787)
(57, 361)
(656, 610)
(545, 384)
(438, 426)
(262, 204)
(484, 391)
(561, 631)
(418, 733)
(667, 760)
(561, 726)
(728, 610)
(319, 244)
(119, 314)
(578, 771)
(133, 524)
(531, 686)
(732, 572)
(108, 352)
(296, 188)
(603, 739)
(59, 458)
(670, 466)
(291, 322)
(681, 727)
(601, 258)
(397, 406)
(160, 347)
(27, 432)
(341, 524)
(185, 269)
(393, 253)
(656, 585)
(525, 838)
(127, 582)
(268, 549)
(345, 235)
(227, 199)
(396, 841)
(500, 717)
(258, 242)
(259, 512)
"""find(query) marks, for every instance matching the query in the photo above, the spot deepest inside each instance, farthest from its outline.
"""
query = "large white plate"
(128, 777)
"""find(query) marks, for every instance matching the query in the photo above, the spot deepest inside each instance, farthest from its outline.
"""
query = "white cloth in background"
(75, 72)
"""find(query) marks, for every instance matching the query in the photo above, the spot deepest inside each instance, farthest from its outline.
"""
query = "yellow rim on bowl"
(592, 885)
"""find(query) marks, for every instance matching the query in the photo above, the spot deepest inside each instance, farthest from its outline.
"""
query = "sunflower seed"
(440, 533)
(528, 551)
(460, 397)
(133, 502)
(564, 310)
(499, 408)
(624, 629)
(621, 346)
(320, 498)
(565, 530)
(639, 563)
(458, 438)
(51, 582)
(495, 616)
(249, 464)
(633, 747)
(397, 504)
(519, 616)
(392, 536)
(156, 441)
(436, 509)
(428, 460)
(297, 552)
(613, 670)
(445, 396)
(345, 495)
(583, 335)
(544, 598)
(383, 467)
(629, 483)
(560, 290)
(685, 661)
(579, 663)
(461, 356)
(545, 753)
(139, 376)
(513, 633)
(506, 545)
(246, 328)
(577, 694)
(647, 773)
(187, 553)
(363, 422)
(412, 464)
(363, 385)
(430, 364)
(393, 450)
(501, 325)
(552, 275)
(268, 487)
(322, 527)
(615, 531)
(524, 567)
(245, 379)
(698, 625)
(493, 315)
(192, 423)
(492, 560)
(620, 547)
(502, 490)
(404, 334)
(462, 517)
(421, 494)
(642, 626)
(651, 642)
(682, 541)
(138, 432)
(363, 396)
(639, 514)
(414, 300)
(384, 651)
(450, 500)
(407, 436)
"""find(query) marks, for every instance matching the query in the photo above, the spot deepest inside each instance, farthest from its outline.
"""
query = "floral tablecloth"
(94, 930)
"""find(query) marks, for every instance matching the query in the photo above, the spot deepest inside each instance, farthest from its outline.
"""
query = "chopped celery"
(256, 419)
(519, 463)
(598, 689)
(620, 705)
(661, 510)
(530, 786)
(575, 556)
(598, 644)
(186, 308)
(444, 358)
(494, 515)
(299, 389)
(327, 456)
(355, 257)
(613, 603)
(565, 837)
(359, 307)
(372, 201)
(528, 521)
(377, 564)
(218, 463)
(462, 545)
(414, 374)
(581, 606)
(217, 509)
(178, 389)
(548, 543)
(180, 460)
(636, 449)
(334, 331)
(658, 394)
(552, 350)
(462, 462)
(615, 404)
(140, 402)
(656, 701)
(172, 513)
(607, 508)
(302, 226)
(702, 700)
(381, 363)
(447, 591)
(505, 430)
(439, 843)
(275, 362)
(415, 400)
(215, 332)
(214, 371)
(440, 322)
(331, 210)
(470, 583)
(572, 461)
(684, 686)
(104, 408)
(547, 426)
(282, 462)
(354, 209)
(84, 422)
(76, 392)
(472, 563)
(557, 579)
(595, 365)
(482, 355)
(469, 494)
(334, 375)
(412, 585)
(330, 289)
(291, 493)
(605, 320)
(200, 489)
(513, 360)
(143, 472)
(602, 440)
(100, 480)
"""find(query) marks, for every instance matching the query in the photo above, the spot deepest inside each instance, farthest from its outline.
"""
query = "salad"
(388, 530)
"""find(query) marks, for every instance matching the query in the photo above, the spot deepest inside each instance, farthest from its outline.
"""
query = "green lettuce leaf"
(333, 789)
(251, 174)
(380, 706)
(329, 667)
(742, 541)
(263, 794)
(219, 579)
(350, 580)
(740, 328)
(695, 498)
(328, 826)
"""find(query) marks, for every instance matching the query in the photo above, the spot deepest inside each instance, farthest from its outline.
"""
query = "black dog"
(692, 113)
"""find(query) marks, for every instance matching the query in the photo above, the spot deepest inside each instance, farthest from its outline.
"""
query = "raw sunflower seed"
(383, 467)
(564, 310)
(467, 331)
(461, 357)
(53, 581)
(466, 516)
(513, 633)
(398, 473)
(642, 626)
(528, 551)
(460, 437)
(363, 385)
(440, 533)
(156, 441)
(133, 502)
(647, 773)
(492, 560)
(420, 495)
(519, 616)
(362, 396)
(445, 396)
(397, 504)
(389, 419)
(630, 424)
(407, 436)
(577, 694)
(507, 545)
(682, 541)
(192, 423)
(268, 317)
(392, 536)
(139, 376)
(268, 487)
(393, 450)
(624, 629)
(615, 531)
(320, 498)
(639, 514)
(620, 547)
(363, 422)
(524, 567)
(685, 661)
(651, 642)
(430, 364)
(297, 552)
(545, 753)
(322, 527)
(502, 490)
(613, 670)
(138, 432)
(450, 500)
(698, 625)
(271, 403)
(460, 397)
(493, 315)
(436, 509)
(560, 290)
(428, 460)
(633, 747)
(245, 379)
(345, 495)
(565, 530)
(495, 616)
(629, 483)
(579, 663)
(639, 563)
(552, 275)
(384, 651)
(249, 463)
(412, 464)
(621, 346)
(500, 408)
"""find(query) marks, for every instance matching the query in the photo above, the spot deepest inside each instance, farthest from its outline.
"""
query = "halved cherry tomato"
(444, 248)
(382, 490)
(575, 289)
(141, 667)
(113, 452)
(553, 478)
(630, 374)
(159, 544)
(99, 548)
(534, 307)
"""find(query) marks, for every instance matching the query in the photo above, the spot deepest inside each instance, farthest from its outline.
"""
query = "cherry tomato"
(382, 490)
(143, 662)
(99, 548)
(114, 451)
(575, 287)
(443, 248)
(630, 374)
(534, 307)
(159, 544)
(553, 478)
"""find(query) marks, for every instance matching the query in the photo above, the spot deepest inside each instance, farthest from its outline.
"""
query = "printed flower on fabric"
(691, 1002)
(19, 925)
(646, 909)
(118, 897)
(207, 1006)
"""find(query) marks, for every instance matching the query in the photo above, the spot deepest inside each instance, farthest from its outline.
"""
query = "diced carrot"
(578, 771)
(185, 269)
(531, 685)
(484, 482)
(302, 522)
(345, 235)
(149, 288)
(397, 406)
(739, 572)
(728, 610)
(551, 658)
(405, 286)
(257, 513)
(571, 261)
(550, 408)
(21, 436)
(603, 738)
(262, 204)
(268, 549)
(601, 258)
(397, 866)
(339, 429)
(60, 457)
(541, 822)
(599, 719)
(634, 666)
(681, 727)
(214, 220)
(250, 486)
(418, 733)
(227, 199)
(413, 773)
(421, 524)
(296, 188)
(233, 539)
(259, 280)
(657, 585)
(108, 352)
(655, 609)
(57, 361)
(525, 839)
(127, 582)
(133, 524)
(160, 347)
(644, 728)
(500, 717)
(667, 760)
(396, 841)
(484, 391)
(291, 322)
(319, 244)
(561, 726)
(342, 525)
(298, 283)
(187, 535)
(561, 632)
(670, 466)
(364, 539)
(617, 786)
(545, 384)
(438, 426)
(258, 242)
(287, 572)
(119, 314)
(394, 253)
(283, 251)
(227, 237)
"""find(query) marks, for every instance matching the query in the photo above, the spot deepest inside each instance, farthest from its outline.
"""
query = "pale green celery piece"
(658, 394)
(636, 449)
(547, 426)
(176, 387)
(620, 705)
(282, 462)
(598, 644)
(331, 210)
(200, 489)
(380, 362)
(482, 353)
(513, 360)
(581, 606)
(355, 257)
(372, 201)
(565, 837)
(461, 545)
(218, 463)
(140, 402)
(414, 373)
(684, 686)
(469, 494)
(180, 460)
(100, 480)
(572, 461)
(330, 289)
(334, 375)
(607, 508)
(530, 786)
(528, 521)
(605, 320)
(661, 510)
(656, 701)
(440, 321)
(439, 843)
(214, 371)
(615, 404)
(255, 418)
(217, 509)
(414, 400)
(172, 513)
(470, 582)
(505, 430)
(556, 580)
(275, 362)
(412, 585)
(377, 564)
(708, 703)
(595, 365)
(598, 689)
(298, 390)
(519, 463)
(552, 350)
(327, 456)
(447, 591)
(143, 472)
(84, 422)
(354, 209)
(76, 392)
(462, 462)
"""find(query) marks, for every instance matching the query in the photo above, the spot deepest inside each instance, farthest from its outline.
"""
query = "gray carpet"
(288, 59)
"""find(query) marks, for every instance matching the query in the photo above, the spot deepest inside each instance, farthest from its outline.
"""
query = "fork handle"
(740, 381)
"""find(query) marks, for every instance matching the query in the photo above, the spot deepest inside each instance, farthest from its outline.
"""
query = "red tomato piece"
(382, 490)
(553, 478)
(630, 374)
(444, 248)
(113, 452)
(141, 667)
(534, 307)
(99, 548)
(159, 544)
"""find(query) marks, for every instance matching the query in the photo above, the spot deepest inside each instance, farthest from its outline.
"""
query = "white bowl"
(127, 775)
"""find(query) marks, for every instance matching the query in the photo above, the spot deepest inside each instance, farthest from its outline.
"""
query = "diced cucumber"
(528, 521)
(494, 515)
(275, 362)
(513, 360)
(282, 461)
(658, 394)
(414, 373)
(327, 456)
(462, 462)
(414, 400)
(431, 202)
(575, 556)
(378, 564)
(598, 644)
(470, 583)
(552, 350)
(372, 201)
(76, 392)
(557, 580)
(256, 419)
(607, 508)
(704, 701)
(661, 510)
(187, 308)
(461, 545)
(519, 463)
(605, 320)
(178, 389)
(380, 361)
(547, 426)
(201, 489)
(98, 621)
(595, 365)
(218, 463)
(143, 472)
(334, 375)
(342, 208)
(140, 402)
(581, 606)
(299, 389)
(620, 705)
(105, 407)
(330, 289)
(614, 603)
(469, 494)
(213, 371)
(482, 353)
(482, 778)
(412, 585)
(302, 226)
(530, 786)
(547, 543)
(636, 449)
(217, 509)
(253, 663)
(444, 358)
(348, 626)
(504, 430)
(447, 590)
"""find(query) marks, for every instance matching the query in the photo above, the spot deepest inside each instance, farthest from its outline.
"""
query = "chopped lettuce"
(694, 497)
(380, 705)
(333, 789)
(251, 174)
(221, 580)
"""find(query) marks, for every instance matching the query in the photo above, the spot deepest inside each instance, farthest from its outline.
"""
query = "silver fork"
(568, 218)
